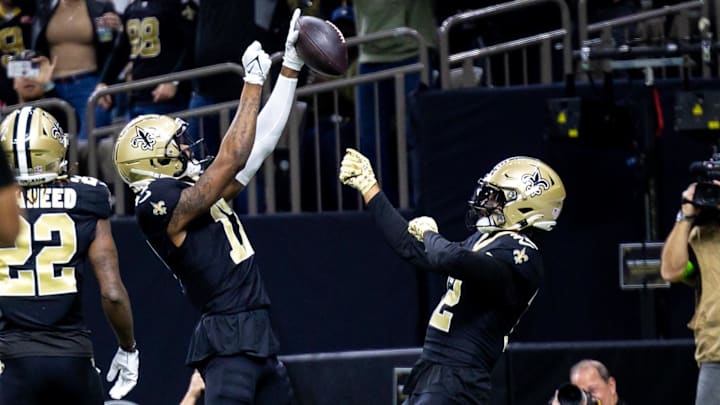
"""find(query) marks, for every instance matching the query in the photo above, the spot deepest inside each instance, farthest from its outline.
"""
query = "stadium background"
(337, 287)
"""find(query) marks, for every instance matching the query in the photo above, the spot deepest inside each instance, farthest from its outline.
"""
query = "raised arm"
(356, 172)
(675, 255)
(234, 150)
(116, 305)
(274, 115)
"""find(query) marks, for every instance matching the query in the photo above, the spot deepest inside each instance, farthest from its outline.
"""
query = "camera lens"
(569, 394)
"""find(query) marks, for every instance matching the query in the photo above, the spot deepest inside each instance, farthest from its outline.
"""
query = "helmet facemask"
(485, 208)
(35, 145)
(518, 193)
(140, 161)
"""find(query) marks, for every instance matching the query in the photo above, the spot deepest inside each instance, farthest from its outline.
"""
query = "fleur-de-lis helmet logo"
(143, 139)
(535, 184)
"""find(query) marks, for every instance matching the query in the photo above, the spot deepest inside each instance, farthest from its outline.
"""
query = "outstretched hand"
(256, 63)
(356, 171)
(124, 367)
(291, 59)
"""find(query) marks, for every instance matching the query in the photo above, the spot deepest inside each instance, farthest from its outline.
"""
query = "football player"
(45, 349)
(493, 275)
(190, 225)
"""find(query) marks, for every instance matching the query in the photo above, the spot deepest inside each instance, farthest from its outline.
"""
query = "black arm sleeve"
(394, 228)
(459, 262)
(6, 175)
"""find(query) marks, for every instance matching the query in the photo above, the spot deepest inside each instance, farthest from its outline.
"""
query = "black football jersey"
(15, 37)
(216, 268)
(492, 280)
(158, 39)
(40, 277)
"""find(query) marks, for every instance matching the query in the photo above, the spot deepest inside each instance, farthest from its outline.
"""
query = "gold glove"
(356, 171)
(418, 226)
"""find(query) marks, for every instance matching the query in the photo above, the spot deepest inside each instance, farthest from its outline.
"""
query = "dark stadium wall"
(462, 133)
(333, 282)
(336, 286)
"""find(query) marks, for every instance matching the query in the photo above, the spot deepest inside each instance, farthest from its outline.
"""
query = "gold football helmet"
(517, 193)
(152, 147)
(35, 145)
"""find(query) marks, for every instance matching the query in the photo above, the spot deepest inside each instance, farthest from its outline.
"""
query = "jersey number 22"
(42, 271)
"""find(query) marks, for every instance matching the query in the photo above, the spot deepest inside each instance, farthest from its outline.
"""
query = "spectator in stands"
(156, 41)
(9, 210)
(120, 5)
(492, 276)
(224, 30)
(610, 9)
(377, 132)
(691, 253)
(15, 37)
(35, 87)
(80, 34)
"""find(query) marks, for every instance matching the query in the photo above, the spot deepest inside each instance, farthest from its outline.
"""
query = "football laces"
(340, 34)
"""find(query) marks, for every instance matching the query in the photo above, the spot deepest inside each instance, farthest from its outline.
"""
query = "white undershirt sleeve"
(270, 124)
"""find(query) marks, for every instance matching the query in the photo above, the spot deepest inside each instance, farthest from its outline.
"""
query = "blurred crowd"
(74, 48)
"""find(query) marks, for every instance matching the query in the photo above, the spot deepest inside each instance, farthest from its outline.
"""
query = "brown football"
(321, 45)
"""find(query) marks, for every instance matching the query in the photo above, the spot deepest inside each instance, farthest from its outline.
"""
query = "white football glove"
(256, 64)
(291, 59)
(356, 171)
(125, 367)
(418, 226)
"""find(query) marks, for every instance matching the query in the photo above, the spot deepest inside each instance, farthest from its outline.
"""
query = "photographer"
(691, 248)
(589, 379)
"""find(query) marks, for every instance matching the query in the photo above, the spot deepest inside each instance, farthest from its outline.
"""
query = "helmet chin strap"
(34, 180)
(148, 173)
(490, 223)
(193, 170)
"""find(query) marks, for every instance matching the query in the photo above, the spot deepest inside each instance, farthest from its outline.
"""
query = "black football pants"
(242, 379)
(46, 380)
